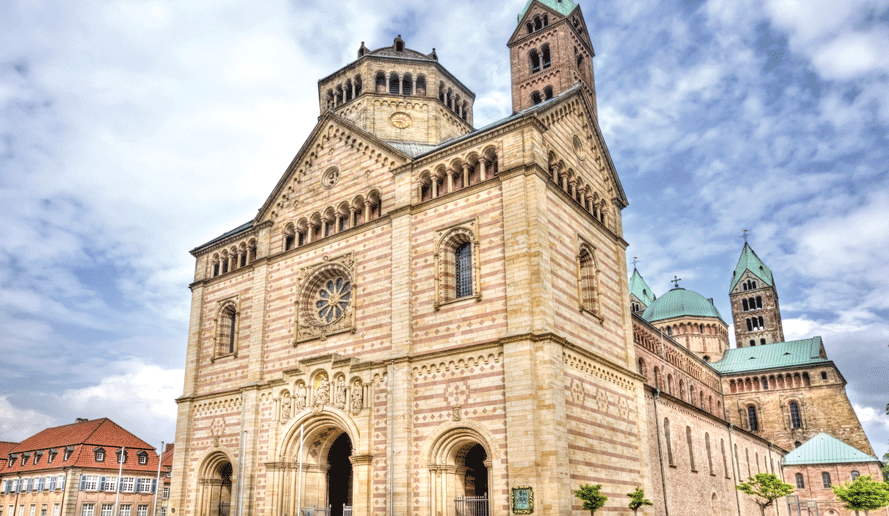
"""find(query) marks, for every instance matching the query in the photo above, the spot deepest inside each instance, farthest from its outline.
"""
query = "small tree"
(886, 467)
(637, 499)
(592, 500)
(765, 488)
(863, 494)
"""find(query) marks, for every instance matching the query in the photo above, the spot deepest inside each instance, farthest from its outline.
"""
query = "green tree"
(886, 467)
(637, 499)
(765, 488)
(592, 500)
(863, 494)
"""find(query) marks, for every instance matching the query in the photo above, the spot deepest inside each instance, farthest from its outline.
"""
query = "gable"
(534, 9)
(575, 140)
(336, 151)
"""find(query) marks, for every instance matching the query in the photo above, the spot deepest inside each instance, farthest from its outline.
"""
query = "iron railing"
(472, 505)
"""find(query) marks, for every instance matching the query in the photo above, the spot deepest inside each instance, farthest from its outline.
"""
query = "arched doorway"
(460, 474)
(339, 475)
(216, 479)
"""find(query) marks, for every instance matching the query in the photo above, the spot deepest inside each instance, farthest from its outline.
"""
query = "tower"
(754, 300)
(550, 52)
(399, 95)
(641, 294)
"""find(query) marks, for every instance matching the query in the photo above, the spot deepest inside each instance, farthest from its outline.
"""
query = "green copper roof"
(768, 356)
(640, 289)
(824, 449)
(750, 262)
(563, 7)
(678, 303)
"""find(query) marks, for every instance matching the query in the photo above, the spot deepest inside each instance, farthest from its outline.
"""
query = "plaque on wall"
(522, 500)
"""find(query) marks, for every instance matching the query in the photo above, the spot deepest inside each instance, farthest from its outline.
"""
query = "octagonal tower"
(399, 95)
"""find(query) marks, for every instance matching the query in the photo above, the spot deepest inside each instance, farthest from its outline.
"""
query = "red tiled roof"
(167, 456)
(84, 437)
(6, 448)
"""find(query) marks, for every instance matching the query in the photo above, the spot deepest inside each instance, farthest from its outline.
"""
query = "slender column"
(434, 187)
(352, 216)
(583, 199)
(482, 173)
(465, 174)
(311, 232)
(451, 173)
(564, 175)
(573, 186)
(324, 222)
(367, 210)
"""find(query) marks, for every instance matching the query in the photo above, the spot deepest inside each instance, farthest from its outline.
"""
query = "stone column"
(434, 187)
(450, 172)
(352, 220)
(362, 477)
(465, 174)
(482, 173)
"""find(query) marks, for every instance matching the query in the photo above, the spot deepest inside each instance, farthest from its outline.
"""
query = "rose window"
(332, 300)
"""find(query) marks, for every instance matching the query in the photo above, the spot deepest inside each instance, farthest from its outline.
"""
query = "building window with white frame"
(125, 510)
(145, 485)
(110, 483)
(166, 493)
(107, 509)
(89, 483)
(142, 510)
(127, 484)
(88, 509)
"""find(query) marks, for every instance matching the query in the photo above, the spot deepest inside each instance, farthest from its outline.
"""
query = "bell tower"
(550, 52)
(754, 299)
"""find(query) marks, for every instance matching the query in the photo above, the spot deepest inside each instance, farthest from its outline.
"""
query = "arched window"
(546, 57)
(380, 82)
(669, 330)
(670, 384)
(855, 475)
(762, 342)
(545, 20)
(758, 301)
(226, 331)
(588, 280)
(407, 85)
(289, 237)
(795, 420)
(536, 98)
(752, 421)
(709, 453)
(691, 448)
(800, 482)
(421, 86)
(463, 272)
(548, 93)
(457, 266)
(669, 442)
(657, 377)
(724, 459)
(538, 23)
(797, 444)
(580, 61)
(752, 342)
(535, 60)
(530, 27)
(744, 305)
(393, 83)
(641, 367)
(825, 480)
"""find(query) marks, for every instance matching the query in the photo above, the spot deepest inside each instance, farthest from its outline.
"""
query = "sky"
(133, 131)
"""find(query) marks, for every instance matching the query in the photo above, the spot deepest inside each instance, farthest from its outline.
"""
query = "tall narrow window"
(744, 305)
(393, 83)
(709, 453)
(669, 442)
(407, 85)
(545, 55)
(800, 482)
(226, 337)
(752, 421)
(691, 448)
(463, 272)
(535, 61)
(588, 282)
(825, 480)
(724, 459)
(536, 98)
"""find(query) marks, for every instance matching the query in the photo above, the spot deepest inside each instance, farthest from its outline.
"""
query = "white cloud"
(18, 424)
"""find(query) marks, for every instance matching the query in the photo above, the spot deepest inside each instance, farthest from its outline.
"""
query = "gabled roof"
(824, 449)
(640, 289)
(750, 262)
(6, 448)
(770, 356)
(563, 7)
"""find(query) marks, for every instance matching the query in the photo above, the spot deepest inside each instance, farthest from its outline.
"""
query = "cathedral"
(427, 318)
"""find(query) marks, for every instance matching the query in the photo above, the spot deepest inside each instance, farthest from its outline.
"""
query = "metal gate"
(472, 505)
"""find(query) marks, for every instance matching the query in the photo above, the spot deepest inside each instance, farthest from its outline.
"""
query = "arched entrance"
(216, 486)
(339, 475)
(460, 473)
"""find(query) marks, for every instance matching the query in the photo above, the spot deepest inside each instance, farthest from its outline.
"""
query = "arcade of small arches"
(749, 285)
(755, 323)
(537, 23)
(573, 185)
(752, 303)
(333, 220)
(458, 174)
(695, 329)
(344, 92)
(537, 98)
(540, 59)
(687, 391)
(772, 381)
(232, 258)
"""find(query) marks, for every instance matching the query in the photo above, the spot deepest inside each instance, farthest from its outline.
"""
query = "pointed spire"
(563, 7)
(750, 262)
(640, 289)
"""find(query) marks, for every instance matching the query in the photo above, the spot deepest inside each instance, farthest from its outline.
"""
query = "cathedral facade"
(430, 319)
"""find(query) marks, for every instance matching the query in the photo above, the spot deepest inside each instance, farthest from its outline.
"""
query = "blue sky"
(132, 131)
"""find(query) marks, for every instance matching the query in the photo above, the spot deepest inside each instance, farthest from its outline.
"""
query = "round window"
(330, 177)
(332, 299)
(578, 146)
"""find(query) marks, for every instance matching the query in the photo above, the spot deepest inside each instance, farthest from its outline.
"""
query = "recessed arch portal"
(460, 471)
